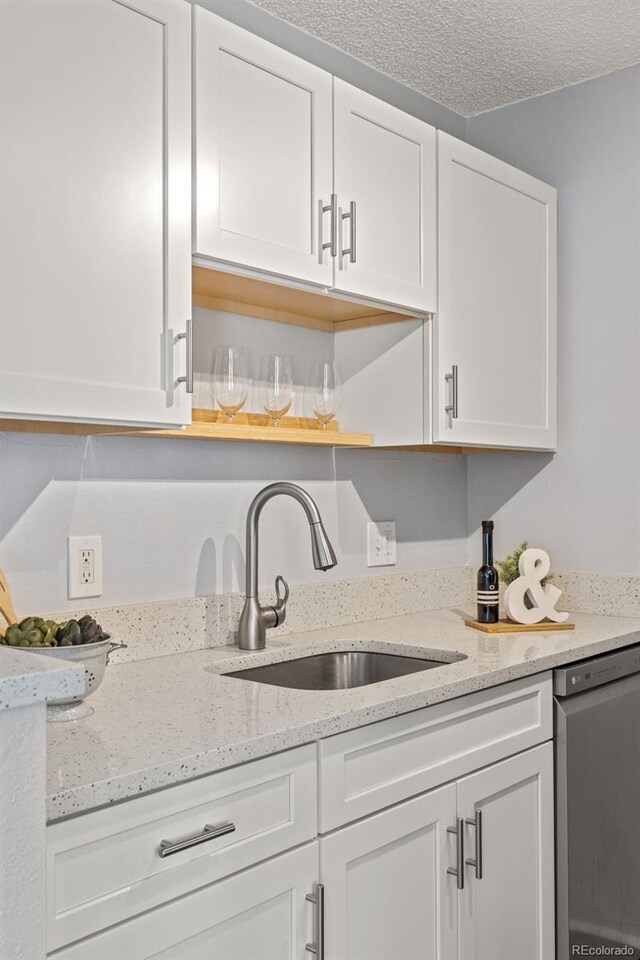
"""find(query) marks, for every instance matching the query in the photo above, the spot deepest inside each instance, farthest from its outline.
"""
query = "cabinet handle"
(332, 244)
(452, 378)
(458, 870)
(317, 947)
(351, 216)
(188, 336)
(477, 860)
(168, 847)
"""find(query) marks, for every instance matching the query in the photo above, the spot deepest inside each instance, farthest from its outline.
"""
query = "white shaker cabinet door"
(259, 914)
(385, 182)
(263, 153)
(495, 332)
(95, 209)
(507, 911)
(387, 891)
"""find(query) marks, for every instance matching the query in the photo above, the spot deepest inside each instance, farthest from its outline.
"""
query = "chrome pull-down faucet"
(256, 619)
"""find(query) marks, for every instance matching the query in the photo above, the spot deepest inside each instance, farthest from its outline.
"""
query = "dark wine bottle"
(488, 597)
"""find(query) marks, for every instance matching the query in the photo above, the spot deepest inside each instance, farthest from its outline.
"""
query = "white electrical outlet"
(84, 567)
(381, 543)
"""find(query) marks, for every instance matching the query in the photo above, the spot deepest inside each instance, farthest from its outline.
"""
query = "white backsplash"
(178, 626)
(614, 595)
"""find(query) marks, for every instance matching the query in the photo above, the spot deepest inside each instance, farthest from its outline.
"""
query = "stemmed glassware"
(276, 386)
(325, 391)
(230, 381)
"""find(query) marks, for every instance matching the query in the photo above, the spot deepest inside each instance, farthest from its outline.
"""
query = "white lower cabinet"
(508, 913)
(261, 914)
(387, 892)
(390, 889)
(434, 841)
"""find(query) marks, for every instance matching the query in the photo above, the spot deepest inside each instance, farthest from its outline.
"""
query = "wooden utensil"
(6, 605)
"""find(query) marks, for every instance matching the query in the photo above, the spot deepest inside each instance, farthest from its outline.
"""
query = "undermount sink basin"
(339, 670)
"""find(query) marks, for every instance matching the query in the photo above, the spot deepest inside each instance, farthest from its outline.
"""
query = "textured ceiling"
(474, 55)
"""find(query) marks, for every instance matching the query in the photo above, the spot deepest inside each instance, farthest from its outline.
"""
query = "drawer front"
(373, 767)
(104, 867)
(259, 914)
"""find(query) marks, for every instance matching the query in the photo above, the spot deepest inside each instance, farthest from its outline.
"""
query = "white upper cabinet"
(495, 334)
(263, 153)
(96, 206)
(385, 183)
(272, 151)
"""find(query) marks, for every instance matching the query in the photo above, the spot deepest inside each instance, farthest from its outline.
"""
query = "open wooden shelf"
(210, 425)
(255, 297)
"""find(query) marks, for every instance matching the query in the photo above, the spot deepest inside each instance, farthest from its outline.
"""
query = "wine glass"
(276, 384)
(230, 382)
(324, 391)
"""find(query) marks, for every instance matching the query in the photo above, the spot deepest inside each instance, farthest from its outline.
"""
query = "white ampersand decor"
(534, 565)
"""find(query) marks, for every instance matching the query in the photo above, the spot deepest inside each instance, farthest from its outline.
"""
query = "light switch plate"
(84, 567)
(381, 543)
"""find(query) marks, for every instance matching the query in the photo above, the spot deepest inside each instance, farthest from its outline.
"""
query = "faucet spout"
(323, 556)
(255, 619)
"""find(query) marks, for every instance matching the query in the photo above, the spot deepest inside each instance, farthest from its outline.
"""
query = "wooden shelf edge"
(197, 431)
(251, 434)
(246, 432)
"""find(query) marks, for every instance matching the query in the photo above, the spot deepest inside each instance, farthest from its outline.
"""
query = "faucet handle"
(282, 597)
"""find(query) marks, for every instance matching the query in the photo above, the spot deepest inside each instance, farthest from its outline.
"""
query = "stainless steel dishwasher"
(597, 724)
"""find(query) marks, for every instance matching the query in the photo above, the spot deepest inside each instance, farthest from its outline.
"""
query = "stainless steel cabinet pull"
(188, 336)
(168, 847)
(317, 947)
(477, 860)
(452, 378)
(351, 216)
(332, 244)
(458, 870)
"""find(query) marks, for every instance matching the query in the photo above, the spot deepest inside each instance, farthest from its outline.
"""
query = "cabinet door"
(387, 891)
(95, 224)
(508, 914)
(496, 322)
(260, 914)
(263, 153)
(385, 163)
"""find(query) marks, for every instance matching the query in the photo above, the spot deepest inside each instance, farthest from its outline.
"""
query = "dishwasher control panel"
(597, 670)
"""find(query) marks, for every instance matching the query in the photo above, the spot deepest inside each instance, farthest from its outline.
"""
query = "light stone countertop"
(158, 722)
(26, 678)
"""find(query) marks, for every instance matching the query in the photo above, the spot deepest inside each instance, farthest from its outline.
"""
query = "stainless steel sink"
(339, 670)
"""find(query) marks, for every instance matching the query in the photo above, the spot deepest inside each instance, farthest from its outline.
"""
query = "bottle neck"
(487, 548)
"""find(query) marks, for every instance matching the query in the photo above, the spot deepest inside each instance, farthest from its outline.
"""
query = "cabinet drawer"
(259, 914)
(364, 770)
(106, 866)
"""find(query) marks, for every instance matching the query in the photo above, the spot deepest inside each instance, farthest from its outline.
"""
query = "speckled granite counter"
(160, 721)
(27, 678)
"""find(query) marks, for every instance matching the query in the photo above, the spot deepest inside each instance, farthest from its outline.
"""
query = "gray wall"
(584, 503)
(171, 512)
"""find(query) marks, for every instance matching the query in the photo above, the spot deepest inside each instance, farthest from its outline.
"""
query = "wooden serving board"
(508, 626)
